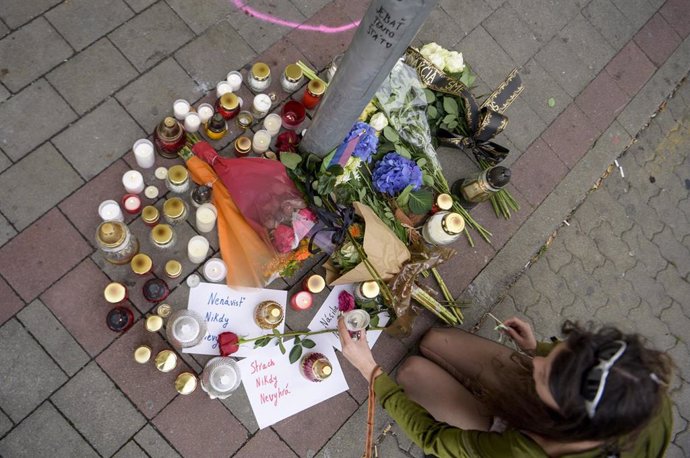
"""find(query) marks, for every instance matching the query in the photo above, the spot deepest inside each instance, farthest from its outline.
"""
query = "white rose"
(429, 49)
(454, 62)
(378, 121)
(438, 60)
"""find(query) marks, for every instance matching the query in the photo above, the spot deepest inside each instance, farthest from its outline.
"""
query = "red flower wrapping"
(228, 343)
(346, 301)
(283, 238)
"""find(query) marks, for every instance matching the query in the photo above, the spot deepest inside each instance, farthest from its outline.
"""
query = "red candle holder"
(131, 203)
(301, 301)
(293, 114)
(119, 319)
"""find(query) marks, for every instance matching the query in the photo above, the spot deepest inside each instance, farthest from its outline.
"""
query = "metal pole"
(386, 30)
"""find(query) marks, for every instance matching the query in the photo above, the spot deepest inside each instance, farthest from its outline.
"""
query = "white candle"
(180, 109)
(151, 192)
(223, 88)
(206, 216)
(205, 111)
(132, 204)
(272, 124)
(133, 182)
(261, 105)
(109, 210)
(235, 80)
(215, 270)
(192, 122)
(197, 249)
(143, 153)
(261, 141)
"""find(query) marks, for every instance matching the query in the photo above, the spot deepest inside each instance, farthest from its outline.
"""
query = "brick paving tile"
(98, 410)
(16, 140)
(194, 422)
(677, 14)
(528, 128)
(77, 301)
(29, 52)
(11, 303)
(277, 57)
(571, 135)
(318, 47)
(148, 388)
(98, 139)
(261, 34)
(546, 18)
(130, 450)
(17, 12)
(564, 66)
(3, 29)
(4, 161)
(511, 32)
(540, 87)
(468, 14)
(435, 30)
(153, 443)
(309, 7)
(29, 375)
(4, 93)
(503, 229)
(461, 269)
(486, 57)
(354, 9)
(6, 230)
(602, 100)
(201, 16)
(151, 36)
(388, 351)
(587, 43)
(321, 420)
(47, 249)
(238, 404)
(82, 22)
(45, 433)
(657, 39)
(5, 424)
(638, 12)
(610, 22)
(265, 443)
(90, 76)
(630, 68)
(53, 337)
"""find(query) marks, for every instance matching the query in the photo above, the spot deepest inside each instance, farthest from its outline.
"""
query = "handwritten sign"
(277, 389)
(384, 27)
(229, 309)
(327, 317)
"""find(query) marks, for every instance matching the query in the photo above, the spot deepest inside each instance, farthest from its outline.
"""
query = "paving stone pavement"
(81, 80)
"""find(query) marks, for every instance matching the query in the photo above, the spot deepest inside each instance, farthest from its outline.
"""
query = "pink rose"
(346, 301)
(307, 214)
(283, 238)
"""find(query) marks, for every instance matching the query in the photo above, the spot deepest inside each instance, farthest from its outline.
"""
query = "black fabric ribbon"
(338, 222)
(483, 121)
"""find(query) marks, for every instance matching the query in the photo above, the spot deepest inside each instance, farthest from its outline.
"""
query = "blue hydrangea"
(394, 173)
(367, 144)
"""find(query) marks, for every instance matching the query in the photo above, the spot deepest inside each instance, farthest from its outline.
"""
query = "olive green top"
(445, 441)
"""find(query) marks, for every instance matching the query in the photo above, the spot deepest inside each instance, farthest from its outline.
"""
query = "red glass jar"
(155, 290)
(293, 115)
(169, 138)
(313, 93)
(228, 105)
(119, 319)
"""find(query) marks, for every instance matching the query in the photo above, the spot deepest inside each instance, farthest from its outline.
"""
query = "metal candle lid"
(315, 283)
(370, 289)
(115, 292)
(229, 101)
(169, 130)
(162, 234)
(185, 383)
(150, 214)
(154, 323)
(111, 233)
(444, 201)
(164, 310)
(293, 73)
(243, 144)
(177, 174)
(142, 354)
(316, 87)
(141, 264)
(166, 360)
(173, 268)
(453, 223)
(261, 71)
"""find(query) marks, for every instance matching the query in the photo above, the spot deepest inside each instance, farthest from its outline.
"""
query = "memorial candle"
(133, 182)
(197, 249)
(261, 141)
(272, 124)
(109, 210)
(234, 78)
(132, 203)
(222, 88)
(301, 301)
(143, 153)
(206, 216)
(205, 111)
(192, 122)
(180, 109)
(215, 270)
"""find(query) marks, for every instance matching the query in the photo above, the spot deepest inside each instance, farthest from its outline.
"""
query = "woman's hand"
(356, 351)
(521, 333)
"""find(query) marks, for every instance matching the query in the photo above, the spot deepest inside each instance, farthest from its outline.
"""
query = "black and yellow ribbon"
(483, 121)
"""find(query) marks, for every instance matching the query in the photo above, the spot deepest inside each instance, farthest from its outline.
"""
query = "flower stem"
(243, 340)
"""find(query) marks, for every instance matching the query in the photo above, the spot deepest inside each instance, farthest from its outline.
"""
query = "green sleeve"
(544, 348)
(443, 440)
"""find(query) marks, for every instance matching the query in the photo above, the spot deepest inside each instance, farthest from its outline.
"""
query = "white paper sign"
(277, 389)
(230, 309)
(327, 317)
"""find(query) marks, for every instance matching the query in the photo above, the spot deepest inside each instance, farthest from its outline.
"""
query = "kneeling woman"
(595, 394)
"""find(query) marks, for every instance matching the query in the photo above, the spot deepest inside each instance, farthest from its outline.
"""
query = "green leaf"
(450, 105)
(452, 125)
(281, 346)
(421, 201)
(467, 78)
(403, 151)
(432, 112)
(404, 195)
(262, 342)
(390, 134)
(297, 339)
(295, 353)
(317, 201)
(551, 102)
(335, 169)
(428, 180)
(374, 321)
(421, 162)
(449, 118)
(308, 343)
(430, 96)
(290, 160)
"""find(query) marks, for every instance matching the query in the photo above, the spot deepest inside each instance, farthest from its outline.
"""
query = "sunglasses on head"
(595, 380)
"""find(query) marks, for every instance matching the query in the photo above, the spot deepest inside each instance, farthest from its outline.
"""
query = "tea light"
(244, 120)
(261, 105)
(154, 323)
(270, 155)
(185, 383)
(206, 216)
(223, 87)
(192, 122)
(215, 270)
(261, 141)
(115, 293)
(301, 301)
(197, 249)
(272, 124)
(314, 284)
(205, 111)
(143, 153)
(193, 281)
(151, 192)
(132, 203)
(109, 210)
(141, 264)
(166, 360)
(142, 354)
(234, 78)
(161, 173)
(180, 109)
(133, 182)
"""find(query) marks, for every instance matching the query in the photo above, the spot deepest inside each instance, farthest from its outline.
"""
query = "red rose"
(228, 343)
(283, 238)
(287, 141)
(346, 302)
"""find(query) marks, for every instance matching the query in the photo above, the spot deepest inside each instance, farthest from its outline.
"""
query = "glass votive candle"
(206, 216)
(293, 114)
(109, 210)
(261, 141)
(205, 111)
(192, 122)
(131, 203)
(261, 105)
(215, 270)
(301, 301)
(180, 109)
(234, 78)
(357, 320)
(222, 87)
(141, 264)
(133, 182)
(143, 153)
(244, 120)
(272, 124)
(197, 249)
(314, 284)
(115, 293)
(270, 155)
(119, 319)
